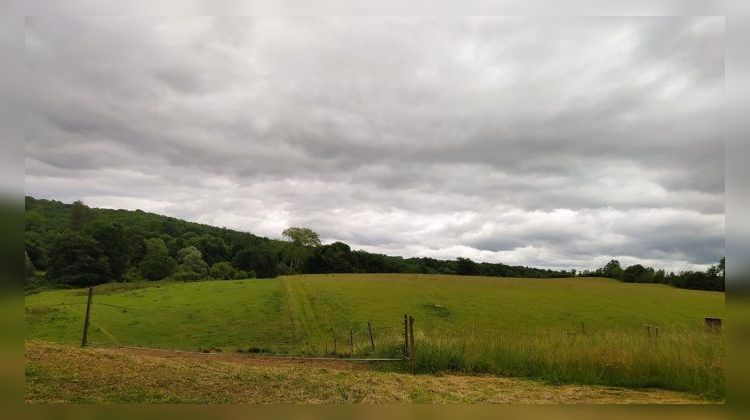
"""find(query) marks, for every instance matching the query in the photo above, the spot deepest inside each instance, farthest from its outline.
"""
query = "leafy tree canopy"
(301, 236)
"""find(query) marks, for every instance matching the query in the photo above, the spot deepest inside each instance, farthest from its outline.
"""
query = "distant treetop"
(302, 236)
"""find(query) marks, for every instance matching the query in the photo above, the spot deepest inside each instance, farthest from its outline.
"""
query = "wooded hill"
(74, 245)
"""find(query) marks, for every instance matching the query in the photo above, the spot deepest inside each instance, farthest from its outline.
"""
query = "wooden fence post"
(85, 338)
(372, 341)
(655, 329)
(406, 336)
(713, 324)
(412, 352)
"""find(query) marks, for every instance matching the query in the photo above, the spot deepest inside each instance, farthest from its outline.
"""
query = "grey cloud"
(421, 136)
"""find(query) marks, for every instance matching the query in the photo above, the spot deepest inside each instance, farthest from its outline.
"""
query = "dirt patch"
(437, 310)
(243, 358)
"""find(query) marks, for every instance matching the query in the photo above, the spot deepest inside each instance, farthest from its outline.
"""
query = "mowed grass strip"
(58, 373)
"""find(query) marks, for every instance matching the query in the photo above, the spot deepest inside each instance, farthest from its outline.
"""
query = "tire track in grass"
(320, 314)
(314, 316)
(308, 324)
(299, 310)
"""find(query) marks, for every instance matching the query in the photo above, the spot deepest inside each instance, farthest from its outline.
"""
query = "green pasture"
(582, 330)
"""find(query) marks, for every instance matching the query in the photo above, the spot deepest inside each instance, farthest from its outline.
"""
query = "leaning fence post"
(412, 352)
(372, 342)
(88, 316)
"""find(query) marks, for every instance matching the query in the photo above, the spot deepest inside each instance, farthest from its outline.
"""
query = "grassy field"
(578, 330)
(58, 373)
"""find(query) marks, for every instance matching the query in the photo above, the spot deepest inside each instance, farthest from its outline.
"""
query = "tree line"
(713, 278)
(73, 245)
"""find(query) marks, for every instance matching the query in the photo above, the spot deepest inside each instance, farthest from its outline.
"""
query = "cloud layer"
(546, 142)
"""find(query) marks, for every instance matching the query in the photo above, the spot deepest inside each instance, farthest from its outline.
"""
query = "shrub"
(223, 271)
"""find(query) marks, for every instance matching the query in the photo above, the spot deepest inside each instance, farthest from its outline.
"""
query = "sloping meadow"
(578, 330)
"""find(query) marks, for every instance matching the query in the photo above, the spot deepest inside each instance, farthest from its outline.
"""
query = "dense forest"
(73, 245)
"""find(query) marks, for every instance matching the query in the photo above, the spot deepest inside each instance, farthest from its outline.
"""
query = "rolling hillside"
(572, 329)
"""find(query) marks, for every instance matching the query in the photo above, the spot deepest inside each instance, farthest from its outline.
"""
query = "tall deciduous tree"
(79, 215)
(301, 238)
(261, 259)
(157, 264)
(466, 267)
(613, 270)
(77, 260)
(111, 237)
(212, 248)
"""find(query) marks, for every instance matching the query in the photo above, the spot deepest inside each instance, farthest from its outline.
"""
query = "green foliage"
(262, 259)
(157, 264)
(638, 274)
(222, 271)
(77, 260)
(192, 266)
(136, 240)
(298, 251)
(613, 270)
(79, 215)
(466, 267)
(302, 236)
(334, 258)
(284, 270)
(34, 221)
(37, 248)
(46, 220)
(29, 266)
(111, 238)
(712, 279)
(212, 248)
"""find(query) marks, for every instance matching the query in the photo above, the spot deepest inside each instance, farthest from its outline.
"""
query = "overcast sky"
(547, 142)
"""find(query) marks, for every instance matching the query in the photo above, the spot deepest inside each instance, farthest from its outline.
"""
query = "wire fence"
(342, 338)
(352, 339)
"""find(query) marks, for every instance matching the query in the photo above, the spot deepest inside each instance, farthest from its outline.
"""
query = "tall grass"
(681, 360)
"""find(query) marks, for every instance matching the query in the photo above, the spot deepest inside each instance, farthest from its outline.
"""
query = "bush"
(132, 276)
(223, 271)
(242, 274)
(192, 266)
(185, 275)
